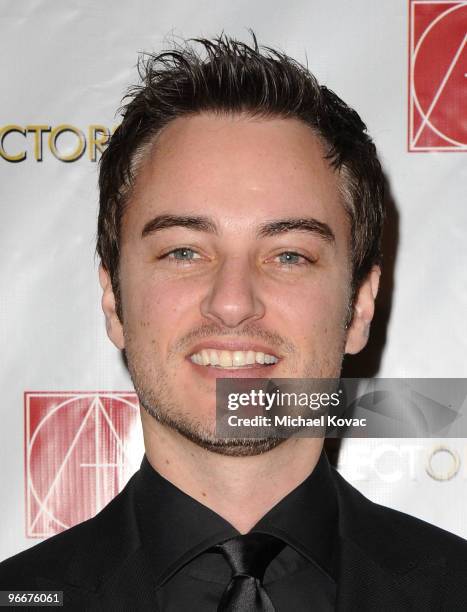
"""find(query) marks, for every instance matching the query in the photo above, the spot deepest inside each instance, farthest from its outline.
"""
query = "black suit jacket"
(388, 561)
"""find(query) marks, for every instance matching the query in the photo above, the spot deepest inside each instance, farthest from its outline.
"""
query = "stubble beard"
(158, 401)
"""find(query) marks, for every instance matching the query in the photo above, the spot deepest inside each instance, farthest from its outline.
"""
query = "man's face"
(235, 252)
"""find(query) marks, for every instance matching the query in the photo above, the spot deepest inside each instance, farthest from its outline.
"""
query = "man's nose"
(233, 297)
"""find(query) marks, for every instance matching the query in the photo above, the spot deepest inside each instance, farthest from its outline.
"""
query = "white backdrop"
(69, 64)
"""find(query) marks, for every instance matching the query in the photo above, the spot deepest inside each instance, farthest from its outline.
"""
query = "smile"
(232, 359)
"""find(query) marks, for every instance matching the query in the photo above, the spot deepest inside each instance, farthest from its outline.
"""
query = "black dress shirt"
(177, 533)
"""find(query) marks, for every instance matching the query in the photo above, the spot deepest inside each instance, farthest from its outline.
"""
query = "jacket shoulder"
(79, 554)
(397, 539)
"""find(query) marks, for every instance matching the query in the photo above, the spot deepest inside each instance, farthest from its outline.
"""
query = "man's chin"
(232, 447)
(238, 447)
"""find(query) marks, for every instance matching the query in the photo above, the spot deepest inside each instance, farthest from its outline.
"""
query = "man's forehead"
(202, 147)
(236, 169)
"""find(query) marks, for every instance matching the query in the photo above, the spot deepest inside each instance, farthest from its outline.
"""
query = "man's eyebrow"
(303, 224)
(199, 223)
(270, 228)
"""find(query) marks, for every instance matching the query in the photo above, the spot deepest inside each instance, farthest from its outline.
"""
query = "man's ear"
(112, 321)
(363, 311)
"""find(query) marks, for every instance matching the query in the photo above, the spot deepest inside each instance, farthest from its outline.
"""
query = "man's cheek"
(314, 310)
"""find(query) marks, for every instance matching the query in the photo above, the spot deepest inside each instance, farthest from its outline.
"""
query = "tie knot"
(250, 554)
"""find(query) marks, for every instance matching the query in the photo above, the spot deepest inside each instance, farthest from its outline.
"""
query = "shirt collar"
(175, 528)
(307, 518)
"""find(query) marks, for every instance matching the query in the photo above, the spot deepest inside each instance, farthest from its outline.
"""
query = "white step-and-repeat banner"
(69, 429)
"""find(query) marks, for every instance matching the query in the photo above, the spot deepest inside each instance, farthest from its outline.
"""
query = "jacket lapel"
(366, 585)
(382, 563)
(105, 568)
(131, 587)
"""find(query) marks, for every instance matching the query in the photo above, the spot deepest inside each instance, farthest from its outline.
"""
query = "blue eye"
(290, 258)
(182, 254)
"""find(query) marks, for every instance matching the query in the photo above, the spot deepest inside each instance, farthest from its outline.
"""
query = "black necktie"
(248, 556)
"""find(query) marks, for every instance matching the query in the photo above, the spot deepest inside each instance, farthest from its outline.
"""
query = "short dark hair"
(224, 75)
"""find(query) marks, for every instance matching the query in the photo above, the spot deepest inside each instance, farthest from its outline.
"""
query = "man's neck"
(240, 489)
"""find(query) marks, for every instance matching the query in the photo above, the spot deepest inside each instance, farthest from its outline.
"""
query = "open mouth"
(230, 360)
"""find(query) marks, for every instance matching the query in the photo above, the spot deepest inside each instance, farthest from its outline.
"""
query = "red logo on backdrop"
(80, 451)
(438, 76)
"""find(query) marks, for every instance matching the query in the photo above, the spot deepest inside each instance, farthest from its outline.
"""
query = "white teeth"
(232, 359)
(250, 358)
(225, 359)
(238, 358)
